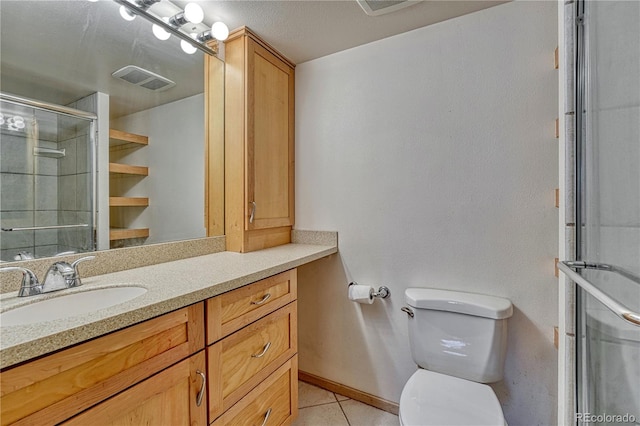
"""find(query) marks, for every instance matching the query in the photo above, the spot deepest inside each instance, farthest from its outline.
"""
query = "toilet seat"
(431, 398)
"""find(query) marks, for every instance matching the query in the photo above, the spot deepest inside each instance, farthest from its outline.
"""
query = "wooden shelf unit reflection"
(119, 141)
(128, 201)
(118, 138)
(126, 169)
(123, 234)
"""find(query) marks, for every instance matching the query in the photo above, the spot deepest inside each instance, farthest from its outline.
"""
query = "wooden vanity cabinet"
(52, 389)
(159, 372)
(252, 351)
(259, 143)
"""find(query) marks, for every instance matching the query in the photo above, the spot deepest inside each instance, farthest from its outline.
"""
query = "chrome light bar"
(176, 32)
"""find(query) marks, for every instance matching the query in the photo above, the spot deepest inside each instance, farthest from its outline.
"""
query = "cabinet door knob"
(253, 212)
(264, 351)
(202, 388)
(266, 417)
(261, 301)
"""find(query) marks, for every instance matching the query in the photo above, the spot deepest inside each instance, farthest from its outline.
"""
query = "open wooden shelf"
(123, 234)
(126, 169)
(128, 201)
(119, 138)
(121, 145)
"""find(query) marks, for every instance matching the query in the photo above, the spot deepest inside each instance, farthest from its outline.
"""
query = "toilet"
(459, 341)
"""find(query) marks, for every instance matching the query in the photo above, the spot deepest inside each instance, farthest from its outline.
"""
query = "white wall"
(432, 153)
(175, 156)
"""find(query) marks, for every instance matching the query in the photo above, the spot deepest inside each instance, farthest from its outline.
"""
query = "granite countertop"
(170, 286)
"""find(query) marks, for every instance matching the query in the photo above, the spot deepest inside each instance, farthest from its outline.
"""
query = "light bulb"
(194, 13)
(159, 32)
(188, 47)
(220, 31)
(126, 14)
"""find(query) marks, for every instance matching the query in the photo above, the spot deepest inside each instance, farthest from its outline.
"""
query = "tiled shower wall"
(616, 131)
(41, 191)
(612, 220)
(28, 189)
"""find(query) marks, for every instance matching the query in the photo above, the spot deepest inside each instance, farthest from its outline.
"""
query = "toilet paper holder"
(382, 293)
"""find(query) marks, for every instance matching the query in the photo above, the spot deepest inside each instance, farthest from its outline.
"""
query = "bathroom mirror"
(64, 52)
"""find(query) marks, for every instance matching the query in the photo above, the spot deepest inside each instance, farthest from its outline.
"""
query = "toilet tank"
(459, 334)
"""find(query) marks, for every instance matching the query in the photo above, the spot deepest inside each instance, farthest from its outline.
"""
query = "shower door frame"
(581, 400)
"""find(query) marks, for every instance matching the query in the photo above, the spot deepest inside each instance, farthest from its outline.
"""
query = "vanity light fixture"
(187, 47)
(14, 123)
(163, 28)
(128, 15)
(220, 31)
(192, 13)
(159, 32)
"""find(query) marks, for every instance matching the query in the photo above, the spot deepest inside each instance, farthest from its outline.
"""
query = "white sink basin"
(69, 305)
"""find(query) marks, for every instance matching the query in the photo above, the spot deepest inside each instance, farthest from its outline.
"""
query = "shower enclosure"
(607, 266)
(47, 179)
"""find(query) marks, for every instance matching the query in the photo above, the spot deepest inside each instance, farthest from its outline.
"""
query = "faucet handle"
(30, 285)
(74, 265)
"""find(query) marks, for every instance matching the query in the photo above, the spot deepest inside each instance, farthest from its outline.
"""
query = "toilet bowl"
(459, 341)
(430, 398)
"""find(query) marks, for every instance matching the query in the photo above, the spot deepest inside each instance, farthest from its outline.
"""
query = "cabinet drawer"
(58, 386)
(244, 359)
(275, 399)
(231, 311)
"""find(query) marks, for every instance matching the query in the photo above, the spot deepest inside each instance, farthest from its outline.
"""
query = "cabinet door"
(55, 387)
(270, 139)
(168, 398)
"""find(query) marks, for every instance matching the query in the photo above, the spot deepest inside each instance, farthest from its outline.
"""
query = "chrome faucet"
(63, 275)
(60, 275)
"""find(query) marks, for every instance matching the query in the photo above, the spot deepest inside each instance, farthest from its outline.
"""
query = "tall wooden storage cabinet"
(259, 144)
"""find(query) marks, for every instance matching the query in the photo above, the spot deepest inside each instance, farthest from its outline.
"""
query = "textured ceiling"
(59, 51)
(309, 29)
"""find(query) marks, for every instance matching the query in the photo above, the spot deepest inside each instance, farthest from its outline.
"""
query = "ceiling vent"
(381, 7)
(144, 78)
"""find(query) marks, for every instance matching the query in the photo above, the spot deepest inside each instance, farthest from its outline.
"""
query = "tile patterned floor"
(319, 407)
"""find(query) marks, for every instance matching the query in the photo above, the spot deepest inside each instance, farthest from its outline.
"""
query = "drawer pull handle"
(266, 417)
(202, 388)
(264, 299)
(264, 351)
(253, 212)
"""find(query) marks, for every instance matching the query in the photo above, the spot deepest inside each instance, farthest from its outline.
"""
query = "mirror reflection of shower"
(47, 178)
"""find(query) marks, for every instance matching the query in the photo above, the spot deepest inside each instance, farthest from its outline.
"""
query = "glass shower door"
(608, 175)
(46, 182)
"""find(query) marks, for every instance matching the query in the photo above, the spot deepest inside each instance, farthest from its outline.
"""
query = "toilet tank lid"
(461, 302)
